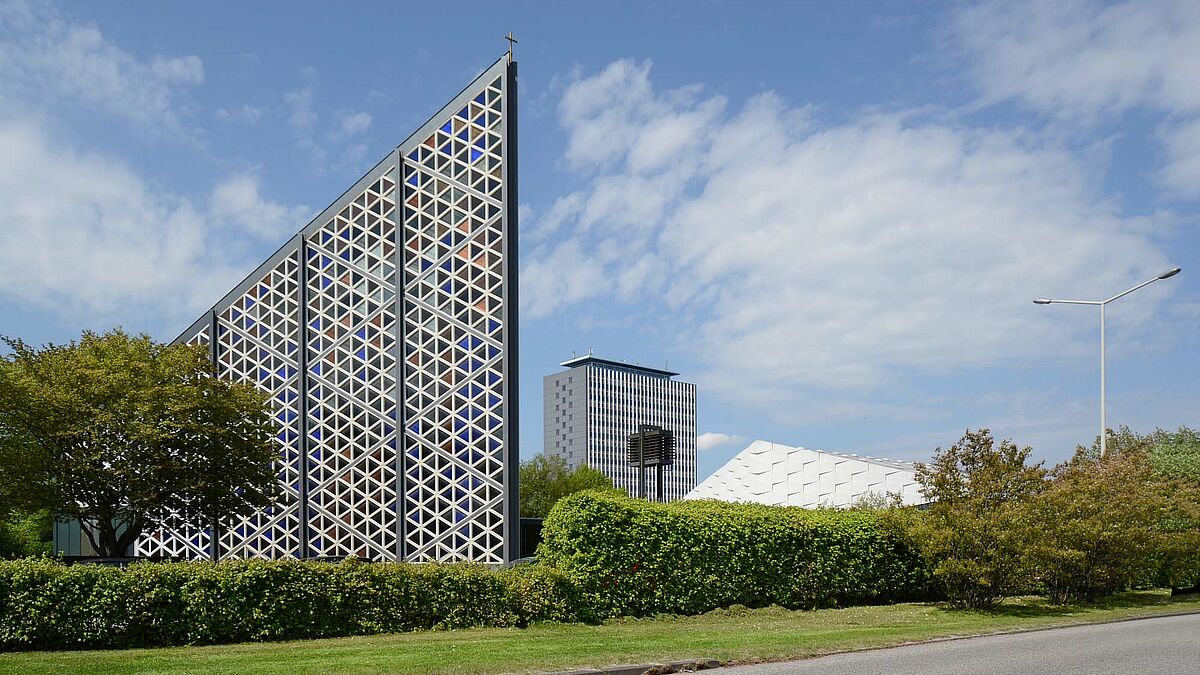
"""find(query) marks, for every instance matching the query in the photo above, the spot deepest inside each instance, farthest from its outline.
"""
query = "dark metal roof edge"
(584, 360)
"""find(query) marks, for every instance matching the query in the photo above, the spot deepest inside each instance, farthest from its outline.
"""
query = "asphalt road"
(1162, 645)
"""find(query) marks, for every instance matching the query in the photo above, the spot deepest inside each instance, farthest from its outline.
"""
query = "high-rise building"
(590, 409)
(385, 333)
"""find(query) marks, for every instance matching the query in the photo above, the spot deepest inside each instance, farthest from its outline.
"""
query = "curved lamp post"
(1046, 301)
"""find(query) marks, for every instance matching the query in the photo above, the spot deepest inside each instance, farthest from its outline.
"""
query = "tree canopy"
(126, 435)
(546, 479)
(970, 533)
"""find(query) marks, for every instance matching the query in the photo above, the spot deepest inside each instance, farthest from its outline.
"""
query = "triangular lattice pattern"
(352, 369)
(381, 334)
(453, 327)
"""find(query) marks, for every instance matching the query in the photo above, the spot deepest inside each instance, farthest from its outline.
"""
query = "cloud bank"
(803, 257)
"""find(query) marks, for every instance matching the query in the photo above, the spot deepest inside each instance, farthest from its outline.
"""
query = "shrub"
(46, 605)
(971, 535)
(1095, 529)
(632, 557)
(546, 594)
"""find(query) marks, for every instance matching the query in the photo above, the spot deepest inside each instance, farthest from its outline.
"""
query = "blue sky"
(832, 218)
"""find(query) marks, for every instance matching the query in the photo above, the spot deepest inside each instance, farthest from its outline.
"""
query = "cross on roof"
(511, 41)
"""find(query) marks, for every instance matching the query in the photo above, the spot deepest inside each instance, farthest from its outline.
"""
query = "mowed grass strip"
(729, 635)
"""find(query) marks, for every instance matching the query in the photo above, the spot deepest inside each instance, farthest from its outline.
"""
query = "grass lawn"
(728, 635)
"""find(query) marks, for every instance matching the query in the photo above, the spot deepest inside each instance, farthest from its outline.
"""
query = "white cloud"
(243, 114)
(237, 201)
(800, 258)
(302, 118)
(1080, 61)
(1181, 172)
(711, 440)
(332, 144)
(352, 124)
(85, 235)
(558, 276)
(43, 53)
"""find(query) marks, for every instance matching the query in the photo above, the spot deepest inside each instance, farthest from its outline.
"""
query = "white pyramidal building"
(780, 475)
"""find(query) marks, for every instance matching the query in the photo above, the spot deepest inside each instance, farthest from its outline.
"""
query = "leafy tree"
(126, 435)
(970, 535)
(1095, 530)
(1176, 454)
(24, 535)
(546, 479)
(1131, 517)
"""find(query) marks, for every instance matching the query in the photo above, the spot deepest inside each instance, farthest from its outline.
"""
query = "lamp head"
(1170, 273)
(1042, 301)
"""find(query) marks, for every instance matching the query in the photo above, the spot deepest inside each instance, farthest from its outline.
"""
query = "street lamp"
(1046, 301)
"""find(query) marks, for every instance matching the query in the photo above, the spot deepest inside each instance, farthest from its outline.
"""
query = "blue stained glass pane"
(415, 427)
(414, 180)
(345, 255)
(463, 114)
(464, 135)
(362, 353)
(316, 369)
(263, 374)
(345, 234)
(446, 127)
(250, 302)
(425, 264)
(481, 99)
(475, 154)
(446, 148)
(412, 155)
(316, 433)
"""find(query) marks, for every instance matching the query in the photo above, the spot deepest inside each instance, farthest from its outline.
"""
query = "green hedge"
(46, 605)
(635, 558)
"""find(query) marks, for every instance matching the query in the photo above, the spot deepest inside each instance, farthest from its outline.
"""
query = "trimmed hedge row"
(46, 605)
(635, 558)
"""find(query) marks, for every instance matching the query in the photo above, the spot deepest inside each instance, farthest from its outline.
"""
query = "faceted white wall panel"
(776, 474)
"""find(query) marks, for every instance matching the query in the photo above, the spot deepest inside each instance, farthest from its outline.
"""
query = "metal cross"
(511, 41)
